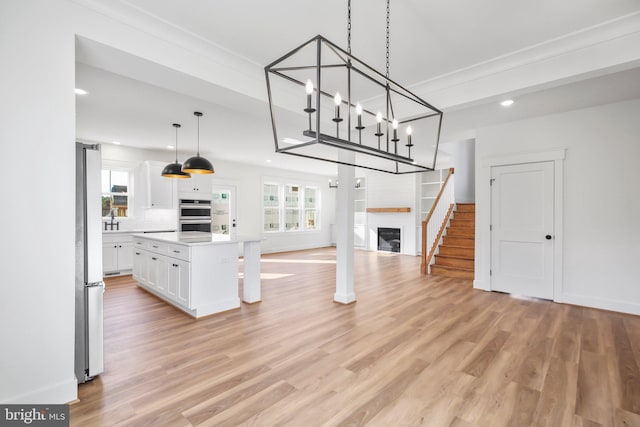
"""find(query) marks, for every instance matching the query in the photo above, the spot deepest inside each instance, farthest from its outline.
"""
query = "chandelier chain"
(349, 26)
(387, 58)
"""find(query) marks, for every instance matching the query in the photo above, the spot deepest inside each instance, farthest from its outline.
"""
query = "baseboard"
(602, 303)
(344, 298)
(275, 250)
(60, 393)
(481, 284)
(217, 307)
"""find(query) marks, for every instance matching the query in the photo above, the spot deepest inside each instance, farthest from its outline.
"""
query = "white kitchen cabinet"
(140, 267)
(125, 255)
(178, 283)
(109, 258)
(198, 183)
(160, 190)
(164, 274)
(117, 253)
(200, 279)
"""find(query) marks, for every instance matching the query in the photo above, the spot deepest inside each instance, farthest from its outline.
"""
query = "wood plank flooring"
(414, 350)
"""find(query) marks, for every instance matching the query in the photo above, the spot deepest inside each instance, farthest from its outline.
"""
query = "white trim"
(599, 47)
(277, 249)
(481, 285)
(59, 393)
(524, 157)
(482, 266)
(558, 226)
(344, 298)
(571, 57)
(602, 303)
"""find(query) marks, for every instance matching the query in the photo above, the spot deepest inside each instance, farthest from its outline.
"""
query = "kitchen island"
(194, 271)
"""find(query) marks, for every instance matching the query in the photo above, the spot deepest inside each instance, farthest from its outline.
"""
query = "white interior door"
(223, 210)
(522, 229)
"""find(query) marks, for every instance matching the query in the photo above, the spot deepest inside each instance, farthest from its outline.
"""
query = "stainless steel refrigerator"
(89, 360)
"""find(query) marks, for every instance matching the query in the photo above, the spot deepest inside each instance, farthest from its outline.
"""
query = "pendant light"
(197, 164)
(174, 170)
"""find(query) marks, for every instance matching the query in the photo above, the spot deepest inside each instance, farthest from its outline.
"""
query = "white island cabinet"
(196, 272)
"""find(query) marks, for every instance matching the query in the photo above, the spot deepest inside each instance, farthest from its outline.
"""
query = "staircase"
(455, 256)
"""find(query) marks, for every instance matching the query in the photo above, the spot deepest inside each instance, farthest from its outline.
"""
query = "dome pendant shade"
(197, 164)
(174, 170)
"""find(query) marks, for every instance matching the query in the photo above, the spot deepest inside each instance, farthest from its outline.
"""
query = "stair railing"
(436, 222)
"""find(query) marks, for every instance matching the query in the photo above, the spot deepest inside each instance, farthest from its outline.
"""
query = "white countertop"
(195, 238)
(141, 230)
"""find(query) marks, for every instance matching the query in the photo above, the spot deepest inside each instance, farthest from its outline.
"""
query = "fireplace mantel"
(388, 210)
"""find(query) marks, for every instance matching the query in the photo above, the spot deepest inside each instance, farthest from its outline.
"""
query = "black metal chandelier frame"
(388, 151)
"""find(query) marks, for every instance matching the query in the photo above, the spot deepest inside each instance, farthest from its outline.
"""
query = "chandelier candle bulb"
(378, 129)
(394, 125)
(309, 89)
(359, 113)
(337, 100)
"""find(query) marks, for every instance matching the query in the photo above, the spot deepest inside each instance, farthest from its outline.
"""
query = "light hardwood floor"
(413, 350)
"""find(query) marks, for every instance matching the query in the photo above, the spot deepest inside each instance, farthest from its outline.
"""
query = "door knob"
(548, 237)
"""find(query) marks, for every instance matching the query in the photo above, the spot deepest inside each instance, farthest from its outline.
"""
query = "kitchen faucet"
(112, 214)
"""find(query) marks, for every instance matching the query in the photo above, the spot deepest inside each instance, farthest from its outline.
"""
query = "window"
(290, 207)
(271, 208)
(310, 208)
(115, 192)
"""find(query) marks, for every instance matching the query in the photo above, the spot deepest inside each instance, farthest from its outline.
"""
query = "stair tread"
(455, 257)
(448, 267)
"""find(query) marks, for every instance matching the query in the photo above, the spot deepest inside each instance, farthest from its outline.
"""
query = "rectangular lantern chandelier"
(328, 105)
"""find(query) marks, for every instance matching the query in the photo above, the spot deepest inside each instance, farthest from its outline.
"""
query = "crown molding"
(545, 59)
(129, 15)
(575, 55)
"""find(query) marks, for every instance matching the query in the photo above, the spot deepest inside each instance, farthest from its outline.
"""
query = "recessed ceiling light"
(268, 160)
(170, 147)
(115, 142)
(507, 102)
(79, 91)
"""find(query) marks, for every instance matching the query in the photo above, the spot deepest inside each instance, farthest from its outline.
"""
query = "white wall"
(392, 191)
(601, 203)
(37, 134)
(463, 161)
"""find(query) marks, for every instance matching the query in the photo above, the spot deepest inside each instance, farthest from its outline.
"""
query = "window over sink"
(116, 192)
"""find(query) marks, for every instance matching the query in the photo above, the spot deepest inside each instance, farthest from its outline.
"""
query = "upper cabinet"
(198, 183)
(160, 190)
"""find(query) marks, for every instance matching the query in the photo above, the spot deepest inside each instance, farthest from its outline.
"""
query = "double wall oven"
(195, 215)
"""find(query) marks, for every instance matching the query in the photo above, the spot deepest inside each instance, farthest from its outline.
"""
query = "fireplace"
(389, 239)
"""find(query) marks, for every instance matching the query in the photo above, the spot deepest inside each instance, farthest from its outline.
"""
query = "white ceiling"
(428, 38)
(136, 101)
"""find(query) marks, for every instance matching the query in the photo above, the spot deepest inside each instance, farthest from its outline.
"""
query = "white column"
(345, 292)
(251, 289)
